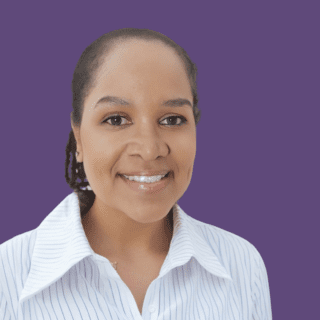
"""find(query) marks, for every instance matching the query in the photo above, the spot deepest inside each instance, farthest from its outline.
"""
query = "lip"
(148, 188)
(146, 173)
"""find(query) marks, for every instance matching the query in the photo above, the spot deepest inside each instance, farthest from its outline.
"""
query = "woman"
(119, 246)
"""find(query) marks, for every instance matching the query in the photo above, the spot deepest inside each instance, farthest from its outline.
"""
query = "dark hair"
(83, 81)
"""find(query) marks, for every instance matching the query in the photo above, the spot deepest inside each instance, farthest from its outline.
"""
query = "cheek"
(184, 155)
(185, 149)
(100, 153)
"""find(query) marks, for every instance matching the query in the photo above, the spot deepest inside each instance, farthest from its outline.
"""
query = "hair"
(84, 79)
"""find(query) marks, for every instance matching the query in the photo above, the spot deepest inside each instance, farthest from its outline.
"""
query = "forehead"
(141, 57)
(144, 72)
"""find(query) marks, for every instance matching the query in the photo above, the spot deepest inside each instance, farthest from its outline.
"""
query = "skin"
(121, 224)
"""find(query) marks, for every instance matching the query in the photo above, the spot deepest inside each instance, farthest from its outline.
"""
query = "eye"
(116, 120)
(174, 118)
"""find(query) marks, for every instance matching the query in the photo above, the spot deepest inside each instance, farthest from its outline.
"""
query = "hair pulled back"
(83, 80)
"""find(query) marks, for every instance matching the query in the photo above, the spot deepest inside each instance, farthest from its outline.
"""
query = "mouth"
(150, 187)
(147, 182)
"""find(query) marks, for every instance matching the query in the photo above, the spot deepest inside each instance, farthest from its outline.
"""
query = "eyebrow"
(168, 103)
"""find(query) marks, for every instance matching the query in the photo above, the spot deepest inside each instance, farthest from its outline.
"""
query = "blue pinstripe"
(52, 273)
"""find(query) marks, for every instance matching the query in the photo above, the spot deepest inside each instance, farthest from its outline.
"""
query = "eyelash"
(183, 120)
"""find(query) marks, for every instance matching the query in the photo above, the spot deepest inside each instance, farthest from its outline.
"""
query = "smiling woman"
(120, 246)
(147, 67)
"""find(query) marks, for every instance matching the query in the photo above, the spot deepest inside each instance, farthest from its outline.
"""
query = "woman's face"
(141, 135)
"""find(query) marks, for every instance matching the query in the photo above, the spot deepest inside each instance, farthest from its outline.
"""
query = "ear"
(76, 132)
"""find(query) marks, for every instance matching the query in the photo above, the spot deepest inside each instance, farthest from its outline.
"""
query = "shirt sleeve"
(261, 292)
(4, 309)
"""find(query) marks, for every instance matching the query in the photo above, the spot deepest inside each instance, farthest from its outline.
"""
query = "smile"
(149, 185)
(146, 179)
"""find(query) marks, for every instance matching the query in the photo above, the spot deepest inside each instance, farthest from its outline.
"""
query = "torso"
(139, 275)
(136, 272)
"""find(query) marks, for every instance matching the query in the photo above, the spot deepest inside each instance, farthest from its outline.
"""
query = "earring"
(88, 186)
(77, 153)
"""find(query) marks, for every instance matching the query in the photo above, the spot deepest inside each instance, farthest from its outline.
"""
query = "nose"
(148, 141)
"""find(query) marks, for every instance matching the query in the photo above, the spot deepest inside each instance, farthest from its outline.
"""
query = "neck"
(112, 233)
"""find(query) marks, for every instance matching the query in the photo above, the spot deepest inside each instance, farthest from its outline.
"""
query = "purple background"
(256, 171)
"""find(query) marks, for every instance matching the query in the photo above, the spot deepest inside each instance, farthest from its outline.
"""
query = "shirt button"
(152, 308)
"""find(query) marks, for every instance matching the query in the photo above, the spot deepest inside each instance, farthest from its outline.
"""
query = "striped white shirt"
(52, 272)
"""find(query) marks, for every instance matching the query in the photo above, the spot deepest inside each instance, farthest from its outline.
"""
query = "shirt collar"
(189, 242)
(61, 243)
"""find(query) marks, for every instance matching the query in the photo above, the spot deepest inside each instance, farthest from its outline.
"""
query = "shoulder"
(18, 247)
(15, 261)
(231, 249)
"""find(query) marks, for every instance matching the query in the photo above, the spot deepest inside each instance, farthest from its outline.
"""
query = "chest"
(138, 277)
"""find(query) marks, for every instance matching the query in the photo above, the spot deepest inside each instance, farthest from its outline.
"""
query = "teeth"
(146, 179)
